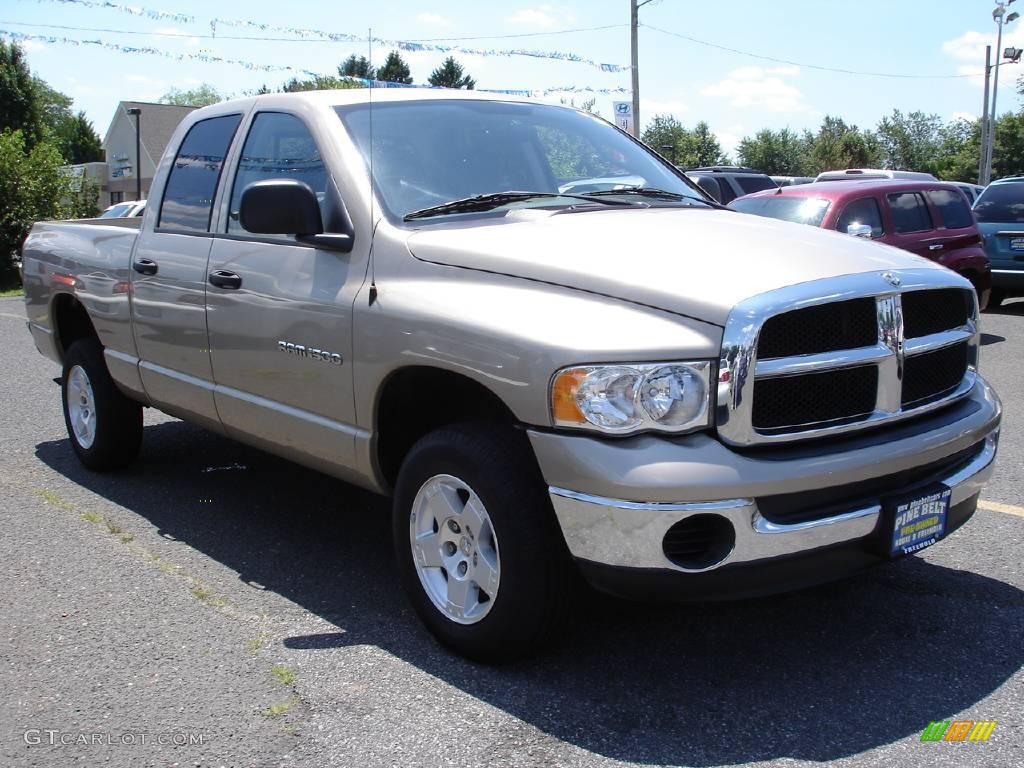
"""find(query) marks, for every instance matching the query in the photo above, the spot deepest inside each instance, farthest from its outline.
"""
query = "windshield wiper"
(495, 200)
(662, 194)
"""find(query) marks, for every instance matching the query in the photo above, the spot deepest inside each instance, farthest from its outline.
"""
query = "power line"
(837, 70)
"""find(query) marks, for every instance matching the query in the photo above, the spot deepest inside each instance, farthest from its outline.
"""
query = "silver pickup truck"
(553, 351)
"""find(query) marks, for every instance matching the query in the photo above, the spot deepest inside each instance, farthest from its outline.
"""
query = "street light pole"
(1001, 20)
(983, 162)
(138, 150)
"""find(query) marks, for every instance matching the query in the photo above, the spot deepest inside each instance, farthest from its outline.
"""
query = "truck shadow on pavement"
(817, 675)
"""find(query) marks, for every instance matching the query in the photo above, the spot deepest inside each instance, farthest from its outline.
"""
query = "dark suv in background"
(1000, 213)
(727, 182)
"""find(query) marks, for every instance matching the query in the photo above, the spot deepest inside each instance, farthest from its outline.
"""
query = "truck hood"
(695, 262)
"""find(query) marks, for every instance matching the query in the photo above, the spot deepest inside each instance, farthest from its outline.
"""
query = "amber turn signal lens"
(563, 396)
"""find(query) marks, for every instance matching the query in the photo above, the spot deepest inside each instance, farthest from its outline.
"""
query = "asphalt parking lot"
(216, 595)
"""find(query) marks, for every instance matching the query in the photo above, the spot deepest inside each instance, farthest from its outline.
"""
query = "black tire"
(117, 432)
(995, 298)
(535, 568)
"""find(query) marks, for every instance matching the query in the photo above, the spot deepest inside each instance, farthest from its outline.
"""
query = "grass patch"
(254, 645)
(204, 594)
(276, 710)
(285, 675)
(126, 538)
(54, 500)
(200, 591)
(92, 517)
(9, 292)
(113, 527)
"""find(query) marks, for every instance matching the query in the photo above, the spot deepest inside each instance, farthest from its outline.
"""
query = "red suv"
(929, 218)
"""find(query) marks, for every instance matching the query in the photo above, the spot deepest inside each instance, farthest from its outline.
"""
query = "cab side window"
(909, 212)
(952, 207)
(192, 183)
(863, 211)
(279, 146)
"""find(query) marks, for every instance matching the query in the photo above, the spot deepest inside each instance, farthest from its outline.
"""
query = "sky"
(737, 92)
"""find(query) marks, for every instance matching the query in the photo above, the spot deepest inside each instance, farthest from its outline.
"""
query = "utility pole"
(634, 23)
(983, 164)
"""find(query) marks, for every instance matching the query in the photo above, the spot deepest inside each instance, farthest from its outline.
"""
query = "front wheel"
(105, 427)
(478, 548)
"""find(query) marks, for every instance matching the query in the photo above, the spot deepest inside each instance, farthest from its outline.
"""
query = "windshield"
(426, 153)
(1001, 203)
(801, 210)
(116, 211)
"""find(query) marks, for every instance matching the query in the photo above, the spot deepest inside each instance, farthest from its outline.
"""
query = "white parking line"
(995, 506)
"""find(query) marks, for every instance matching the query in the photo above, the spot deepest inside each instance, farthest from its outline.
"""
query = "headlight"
(624, 398)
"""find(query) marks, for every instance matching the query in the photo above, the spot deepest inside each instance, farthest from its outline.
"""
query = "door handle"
(224, 279)
(145, 266)
(935, 247)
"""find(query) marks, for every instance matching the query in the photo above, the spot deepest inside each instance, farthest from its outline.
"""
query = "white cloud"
(433, 20)
(968, 50)
(543, 16)
(651, 107)
(33, 46)
(968, 116)
(760, 87)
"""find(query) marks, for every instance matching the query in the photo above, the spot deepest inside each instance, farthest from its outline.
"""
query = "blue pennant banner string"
(415, 47)
(134, 10)
(257, 67)
(339, 37)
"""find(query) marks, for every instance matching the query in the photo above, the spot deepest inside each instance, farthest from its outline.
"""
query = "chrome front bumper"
(630, 534)
(613, 530)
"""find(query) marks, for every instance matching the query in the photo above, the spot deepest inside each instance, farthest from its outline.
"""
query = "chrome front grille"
(838, 355)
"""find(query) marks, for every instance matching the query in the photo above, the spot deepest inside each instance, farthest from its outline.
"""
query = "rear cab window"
(862, 211)
(909, 212)
(754, 183)
(192, 183)
(952, 208)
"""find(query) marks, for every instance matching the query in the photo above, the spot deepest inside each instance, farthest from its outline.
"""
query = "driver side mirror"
(280, 207)
(860, 230)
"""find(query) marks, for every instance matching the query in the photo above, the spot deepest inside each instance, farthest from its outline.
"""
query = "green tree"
(667, 136)
(1008, 152)
(201, 96)
(319, 83)
(910, 142)
(19, 95)
(777, 153)
(705, 148)
(395, 70)
(356, 66)
(837, 146)
(959, 151)
(451, 75)
(78, 141)
(33, 188)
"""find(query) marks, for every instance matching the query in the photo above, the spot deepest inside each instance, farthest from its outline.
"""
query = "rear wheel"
(995, 299)
(105, 427)
(478, 549)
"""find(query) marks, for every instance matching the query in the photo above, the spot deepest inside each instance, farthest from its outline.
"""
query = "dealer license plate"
(919, 522)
